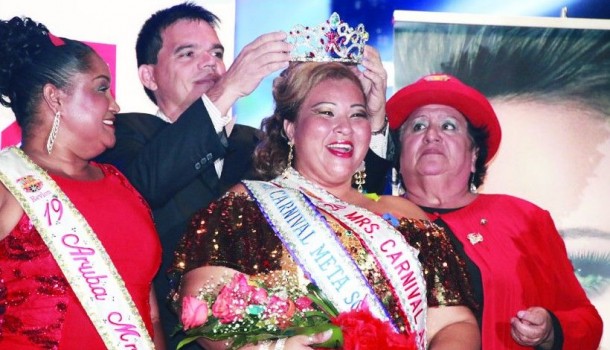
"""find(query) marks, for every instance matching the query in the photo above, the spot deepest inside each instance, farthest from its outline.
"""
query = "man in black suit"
(191, 151)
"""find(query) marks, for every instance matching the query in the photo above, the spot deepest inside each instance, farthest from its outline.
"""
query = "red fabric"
(362, 331)
(41, 311)
(10, 136)
(523, 263)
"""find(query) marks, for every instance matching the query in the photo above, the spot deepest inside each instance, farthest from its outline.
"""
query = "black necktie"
(222, 135)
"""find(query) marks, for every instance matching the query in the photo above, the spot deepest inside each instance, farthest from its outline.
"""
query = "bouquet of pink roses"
(248, 312)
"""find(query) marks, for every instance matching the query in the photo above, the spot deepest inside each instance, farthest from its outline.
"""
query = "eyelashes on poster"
(589, 251)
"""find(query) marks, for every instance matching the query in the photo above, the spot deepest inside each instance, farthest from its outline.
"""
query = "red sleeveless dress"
(38, 309)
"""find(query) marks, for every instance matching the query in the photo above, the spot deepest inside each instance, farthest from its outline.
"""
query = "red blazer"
(523, 263)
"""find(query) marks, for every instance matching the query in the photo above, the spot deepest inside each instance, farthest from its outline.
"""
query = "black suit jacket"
(172, 165)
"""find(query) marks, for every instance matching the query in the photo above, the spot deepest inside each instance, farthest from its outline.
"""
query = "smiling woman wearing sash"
(308, 221)
(69, 278)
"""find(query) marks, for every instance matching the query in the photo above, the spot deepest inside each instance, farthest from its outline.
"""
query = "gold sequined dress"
(233, 232)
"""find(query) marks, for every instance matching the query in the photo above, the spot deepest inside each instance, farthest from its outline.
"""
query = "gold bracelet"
(383, 128)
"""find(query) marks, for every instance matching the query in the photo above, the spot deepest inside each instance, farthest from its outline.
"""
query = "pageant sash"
(394, 256)
(315, 247)
(78, 252)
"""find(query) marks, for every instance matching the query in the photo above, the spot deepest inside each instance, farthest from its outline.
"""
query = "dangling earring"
(473, 188)
(290, 156)
(54, 131)
(360, 177)
(397, 188)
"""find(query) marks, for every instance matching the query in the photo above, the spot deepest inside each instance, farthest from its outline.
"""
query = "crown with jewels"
(331, 41)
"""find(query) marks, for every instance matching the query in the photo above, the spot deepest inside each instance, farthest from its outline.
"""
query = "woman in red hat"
(523, 280)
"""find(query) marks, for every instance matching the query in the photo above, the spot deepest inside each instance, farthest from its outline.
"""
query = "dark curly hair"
(479, 138)
(290, 89)
(29, 61)
(149, 40)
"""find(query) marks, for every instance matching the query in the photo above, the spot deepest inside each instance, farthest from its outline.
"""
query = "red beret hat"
(447, 90)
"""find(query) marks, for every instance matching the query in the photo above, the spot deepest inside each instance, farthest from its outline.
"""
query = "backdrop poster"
(548, 80)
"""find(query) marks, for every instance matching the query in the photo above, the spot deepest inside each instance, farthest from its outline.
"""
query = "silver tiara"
(331, 41)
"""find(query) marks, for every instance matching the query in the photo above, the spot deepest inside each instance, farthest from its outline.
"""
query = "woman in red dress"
(69, 278)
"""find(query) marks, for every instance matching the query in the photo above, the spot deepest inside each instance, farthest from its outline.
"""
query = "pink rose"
(260, 296)
(303, 303)
(194, 312)
(282, 309)
(239, 285)
(231, 303)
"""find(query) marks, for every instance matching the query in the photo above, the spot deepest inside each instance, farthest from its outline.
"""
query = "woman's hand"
(307, 341)
(298, 342)
(533, 327)
(375, 81)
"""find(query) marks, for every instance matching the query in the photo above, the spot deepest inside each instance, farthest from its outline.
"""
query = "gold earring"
(54, 131)
(290, 156)
(360, 177)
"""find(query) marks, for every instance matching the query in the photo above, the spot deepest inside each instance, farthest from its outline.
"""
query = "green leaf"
(316, 295)
(186, 341)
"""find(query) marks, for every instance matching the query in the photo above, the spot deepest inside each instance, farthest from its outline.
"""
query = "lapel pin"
(475, 238)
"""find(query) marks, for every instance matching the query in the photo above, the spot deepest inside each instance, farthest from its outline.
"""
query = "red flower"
(362, 331)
